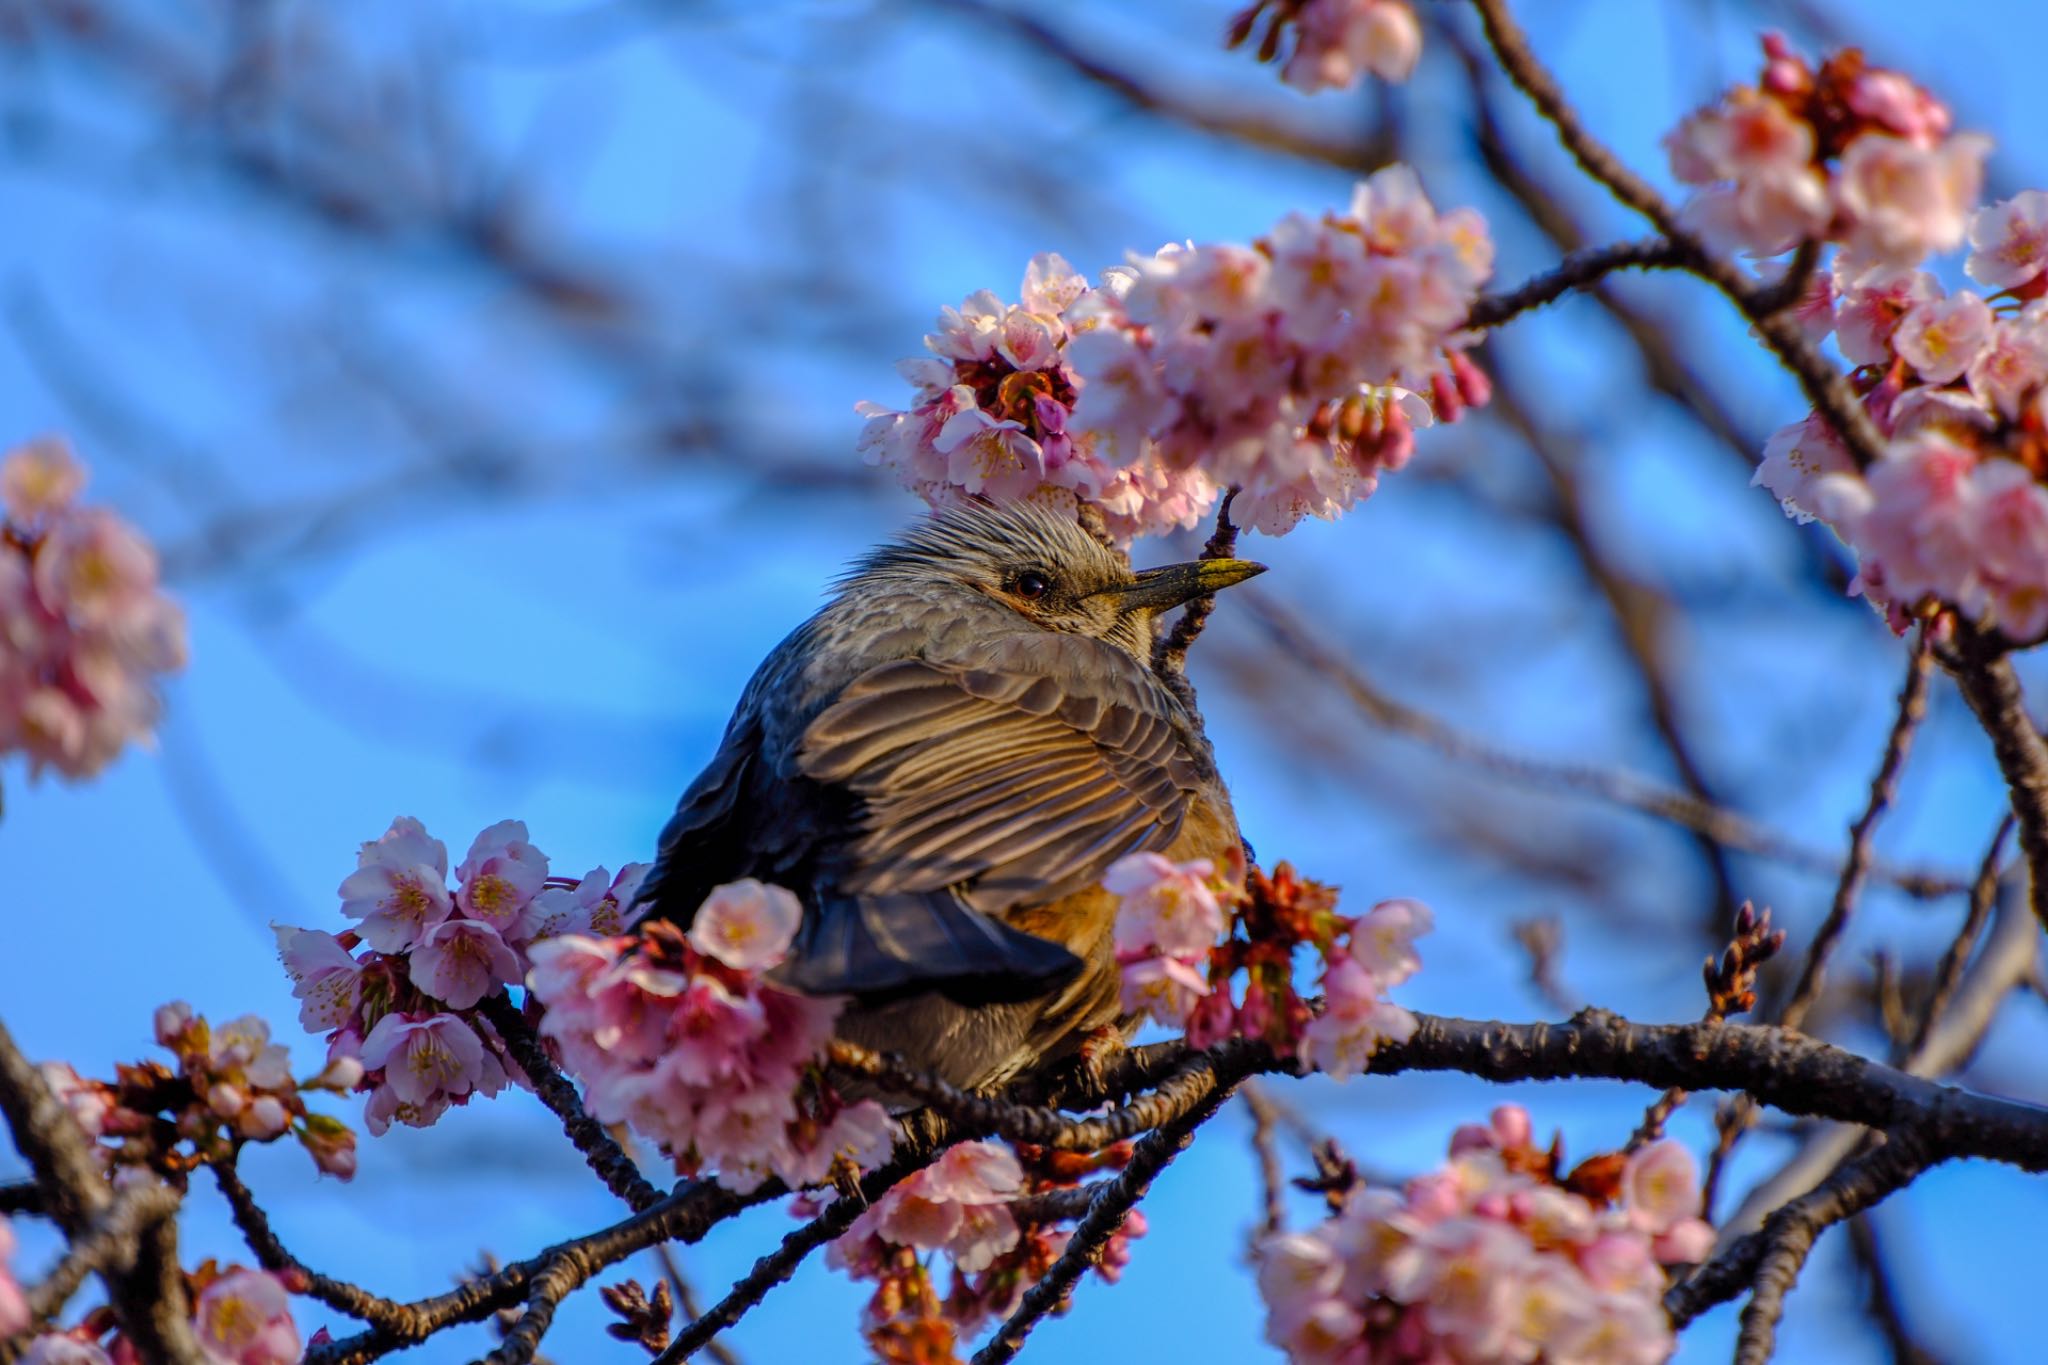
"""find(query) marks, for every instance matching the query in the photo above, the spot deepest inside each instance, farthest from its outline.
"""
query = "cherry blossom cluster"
(680, 1036)
(1848, 153)
(994, 411)
(229, 1085)
(84, 631)
(1955, 508)
(1496, 1257)
(396, 1012)
(1168, 924)
(1336, 42)
(964, 1206)
(239, 1317)
(1293, 369)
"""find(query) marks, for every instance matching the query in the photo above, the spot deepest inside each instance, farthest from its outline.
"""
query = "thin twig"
(1613, 787)
(1912, 708)
(108, 1246)
(1948, 973)
(1790, 1233)
(1112, 1201)
(270, 1253)
(1768, 1260)
(1881, 1297)
(1580, 270)
(613, 1166)
(1272, 1179)
(1761, 303)
(1170, 652)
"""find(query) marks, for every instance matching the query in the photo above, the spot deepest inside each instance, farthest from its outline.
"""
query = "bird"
(941, 764)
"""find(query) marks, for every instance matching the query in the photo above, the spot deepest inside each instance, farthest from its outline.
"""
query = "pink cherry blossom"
(1355, 1021)
(1942, 339)
(1164, 904)
(957, 1205)
(2013, 546)
(703, 1058)
(499, 878)
(325, 976)
(1872, 305)
(1382, 940)
(1164, 988)
(84, 630)
(245, 1318)
(2010, 241)
(1486, 1261)
(1661, 1186)
(2012, 366)
(460, 961)
(39, 480)
(600, 904)
(1904, 202)
(746, 924)
(1339, 40)
(399, 888)
(1921, 521)
(424, 1058)
(1293, 369)
(88, 1101)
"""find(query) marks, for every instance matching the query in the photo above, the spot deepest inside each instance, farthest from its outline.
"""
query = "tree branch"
(270, 1253)
(1580, 270)
(1768, 1262)
(1763, 304)
(1113, 1199)
(613, 1166)
(146, 1288)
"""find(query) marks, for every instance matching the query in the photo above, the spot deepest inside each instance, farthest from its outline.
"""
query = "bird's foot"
(1089, 1066)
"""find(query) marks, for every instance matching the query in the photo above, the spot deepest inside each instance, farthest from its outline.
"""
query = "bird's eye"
(1031, 584)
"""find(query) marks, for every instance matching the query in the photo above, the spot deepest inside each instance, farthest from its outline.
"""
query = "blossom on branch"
(1499, 1256)
(968, 1207)
(1295, 369)
(703, 1057)
(85, 634)
(1846, 153)
(1954, 510)
(1335, 41)
(245, 1318)
(397, 1016)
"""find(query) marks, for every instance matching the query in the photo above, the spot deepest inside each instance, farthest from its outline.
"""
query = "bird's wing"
(1014, 773)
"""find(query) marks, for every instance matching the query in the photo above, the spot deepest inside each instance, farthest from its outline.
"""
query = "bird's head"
(1040, 564)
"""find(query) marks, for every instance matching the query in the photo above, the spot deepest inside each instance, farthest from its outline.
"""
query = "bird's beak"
(1164, 588)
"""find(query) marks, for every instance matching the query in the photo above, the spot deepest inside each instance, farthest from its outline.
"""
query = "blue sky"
(449, 556)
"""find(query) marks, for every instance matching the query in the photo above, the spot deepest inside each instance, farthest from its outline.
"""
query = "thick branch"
(109, 1246)
(148, 1290)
